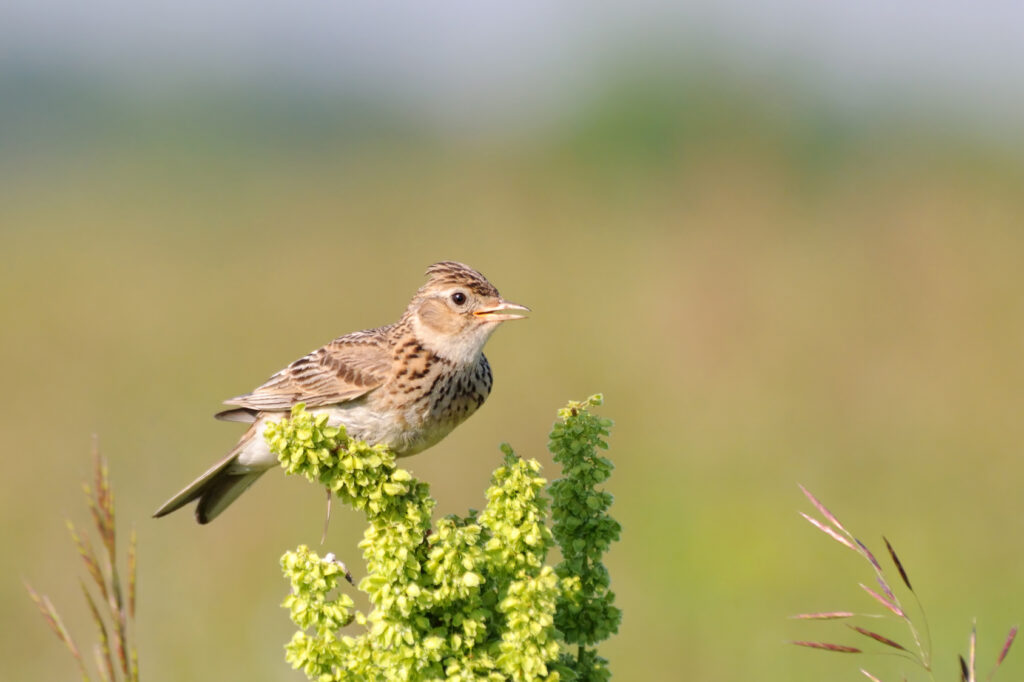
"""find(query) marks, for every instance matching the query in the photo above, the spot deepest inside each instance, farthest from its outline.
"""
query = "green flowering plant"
(584, 531)
(468, 597)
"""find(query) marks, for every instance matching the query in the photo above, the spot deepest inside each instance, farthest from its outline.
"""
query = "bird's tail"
(217, 488)
(221, 490)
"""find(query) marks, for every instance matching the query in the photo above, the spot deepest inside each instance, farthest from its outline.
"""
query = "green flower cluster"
(584, 531)
(469, 599)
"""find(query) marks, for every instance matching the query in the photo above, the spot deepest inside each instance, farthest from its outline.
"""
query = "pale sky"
(464, 58)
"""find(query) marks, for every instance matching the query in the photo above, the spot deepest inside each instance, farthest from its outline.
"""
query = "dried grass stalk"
(883, 601)
(824, 510)
(828, 646)
(898, 563)
(116, 658)
(879, 638)
(1006, 646)
(828, 531)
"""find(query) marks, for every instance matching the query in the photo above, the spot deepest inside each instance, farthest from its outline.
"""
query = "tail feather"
(221, 484)
(238, 414)
(196, 488)
(221, 490)
(216, 488)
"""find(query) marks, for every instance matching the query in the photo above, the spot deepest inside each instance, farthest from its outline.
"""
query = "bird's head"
(457, 310)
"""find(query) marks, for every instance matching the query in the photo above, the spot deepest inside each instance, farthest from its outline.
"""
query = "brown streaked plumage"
(406, 385)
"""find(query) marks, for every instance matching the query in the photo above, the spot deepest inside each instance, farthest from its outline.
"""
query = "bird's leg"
(327, 519)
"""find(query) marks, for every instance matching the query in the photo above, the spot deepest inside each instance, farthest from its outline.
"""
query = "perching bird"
(406, 385)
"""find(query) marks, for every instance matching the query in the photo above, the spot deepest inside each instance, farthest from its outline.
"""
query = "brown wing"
(344, 369)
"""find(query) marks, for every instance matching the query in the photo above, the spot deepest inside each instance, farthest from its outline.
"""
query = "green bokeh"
(764, 298)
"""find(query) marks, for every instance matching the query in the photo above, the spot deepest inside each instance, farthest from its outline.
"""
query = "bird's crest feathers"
(449, 273)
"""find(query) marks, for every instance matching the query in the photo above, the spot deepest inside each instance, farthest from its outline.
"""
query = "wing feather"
(345, 369)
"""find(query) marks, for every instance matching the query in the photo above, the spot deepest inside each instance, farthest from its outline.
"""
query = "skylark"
(406, 385)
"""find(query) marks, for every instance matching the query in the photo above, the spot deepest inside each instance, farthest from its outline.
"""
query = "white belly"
(406, 434)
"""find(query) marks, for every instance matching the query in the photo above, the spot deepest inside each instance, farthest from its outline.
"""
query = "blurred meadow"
(769, 287)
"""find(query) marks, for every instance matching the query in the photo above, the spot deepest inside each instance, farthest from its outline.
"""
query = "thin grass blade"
(1006, 646)
(132, 572)
(92, 564)
(879, 638)
(863, 549)
(135, 665)
(828, 531)
(828, 646)
(132, 590)
(121, 639)
(107, 669)
(56, 624)
(826, 615)
(973, 651)
(823, 509)
(883, 601)
(880, 579)
(1005, 650)
(104, 501)
(97, 655)
(898, 563)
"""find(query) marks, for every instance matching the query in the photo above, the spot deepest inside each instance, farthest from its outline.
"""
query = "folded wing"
(343, 370)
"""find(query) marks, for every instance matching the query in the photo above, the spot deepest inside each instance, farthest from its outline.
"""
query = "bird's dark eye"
(458, 298)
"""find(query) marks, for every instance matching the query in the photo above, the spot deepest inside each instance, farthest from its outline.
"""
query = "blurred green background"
(776, 271)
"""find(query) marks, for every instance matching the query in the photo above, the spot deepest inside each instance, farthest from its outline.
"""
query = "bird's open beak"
(501, 312)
